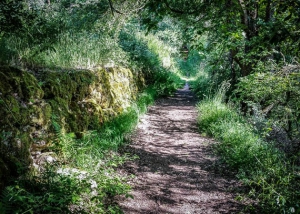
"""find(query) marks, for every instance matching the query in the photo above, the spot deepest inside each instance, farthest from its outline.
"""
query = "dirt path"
(176, 172)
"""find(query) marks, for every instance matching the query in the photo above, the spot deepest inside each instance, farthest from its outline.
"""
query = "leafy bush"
(166, 83)
(82, 50)
(275, 97)
(153, 57)
(48, 193)
(271, 176)
(192, 65)
(73, 34)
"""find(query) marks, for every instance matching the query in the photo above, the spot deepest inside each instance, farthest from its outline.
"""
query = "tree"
(11, 15)
(250, 30)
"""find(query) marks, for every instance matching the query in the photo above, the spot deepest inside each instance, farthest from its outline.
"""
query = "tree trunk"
(249, 15)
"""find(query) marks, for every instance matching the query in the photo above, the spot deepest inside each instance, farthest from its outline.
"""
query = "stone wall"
(33, 107)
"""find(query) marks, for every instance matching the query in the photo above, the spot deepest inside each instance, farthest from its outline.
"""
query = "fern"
(57, 128)
(5, 203)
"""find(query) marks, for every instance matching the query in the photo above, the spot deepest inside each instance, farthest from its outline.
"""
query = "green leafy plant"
(273, 96)
(270, 174)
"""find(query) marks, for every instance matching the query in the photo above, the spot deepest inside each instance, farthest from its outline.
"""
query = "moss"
(20, 102)
(40, 114)
(33, 110)
(83, 80)
(66, 90)
(15, 166)
(18, 89)
(12, 109)
(71, 85)
(21, 83)
(58, 85)
(60, 111)
(24, 142)
(30, 87)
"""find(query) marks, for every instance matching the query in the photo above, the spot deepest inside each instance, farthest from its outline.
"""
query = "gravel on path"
(177, 171)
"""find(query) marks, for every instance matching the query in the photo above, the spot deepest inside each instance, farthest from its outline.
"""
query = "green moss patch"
(34, 110)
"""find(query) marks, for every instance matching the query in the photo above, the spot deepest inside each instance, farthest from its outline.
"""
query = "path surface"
(176, 172)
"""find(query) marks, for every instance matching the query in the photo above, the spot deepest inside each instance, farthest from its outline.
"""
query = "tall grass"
(82, 177)
(273, 179)
(70, 50)
(82, 50)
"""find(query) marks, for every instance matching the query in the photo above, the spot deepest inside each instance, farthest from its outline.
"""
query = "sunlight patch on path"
(176, 169)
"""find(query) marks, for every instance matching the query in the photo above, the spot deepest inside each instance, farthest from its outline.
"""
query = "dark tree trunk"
(233, 72)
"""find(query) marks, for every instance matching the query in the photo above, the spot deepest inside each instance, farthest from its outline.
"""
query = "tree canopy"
(251, 48)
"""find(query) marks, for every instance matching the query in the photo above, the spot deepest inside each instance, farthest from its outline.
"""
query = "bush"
(271, 176)
(274, 96)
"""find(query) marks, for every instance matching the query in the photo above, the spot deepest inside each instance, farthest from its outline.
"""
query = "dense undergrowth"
(82, 178)
(271, 175)
(255, 117)
(79, 172)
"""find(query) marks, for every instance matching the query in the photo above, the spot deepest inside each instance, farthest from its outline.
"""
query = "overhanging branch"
(180, 11)
(113, 9)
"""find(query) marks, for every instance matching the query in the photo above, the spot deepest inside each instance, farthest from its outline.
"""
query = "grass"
(80, 50)
(272, 178)
(83, 50)
(84, 178)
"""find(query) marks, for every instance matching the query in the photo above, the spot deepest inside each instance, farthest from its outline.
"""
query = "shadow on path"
(176, 171)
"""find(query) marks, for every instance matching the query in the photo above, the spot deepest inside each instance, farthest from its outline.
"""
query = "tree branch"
(268, 11)
(180, 11)
(113, 9)
(245, 15)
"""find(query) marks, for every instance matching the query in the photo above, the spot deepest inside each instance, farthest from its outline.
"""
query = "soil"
(177, 171)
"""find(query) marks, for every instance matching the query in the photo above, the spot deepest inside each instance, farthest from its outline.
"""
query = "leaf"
(129, 196)
(288, 17)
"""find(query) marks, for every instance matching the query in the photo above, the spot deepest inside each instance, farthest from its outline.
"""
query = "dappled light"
(198, 99)
(176, 171)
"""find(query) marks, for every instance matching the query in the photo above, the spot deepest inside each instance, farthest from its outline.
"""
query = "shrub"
(274, 96)
(271, 176)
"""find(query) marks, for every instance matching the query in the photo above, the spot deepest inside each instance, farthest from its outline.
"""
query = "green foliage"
(146, 98)
(213, 68)
(63, 190)
(202, 86)
(166, 83)
(153, 55)
(270, 175)
(58, 32)
(82, 50)
(65, 35)
(192, 65)
(148, 52)
(47, 193)
(84, 180)
(275, 96)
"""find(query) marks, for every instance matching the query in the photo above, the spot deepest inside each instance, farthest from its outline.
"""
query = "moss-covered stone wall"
(33, 107)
